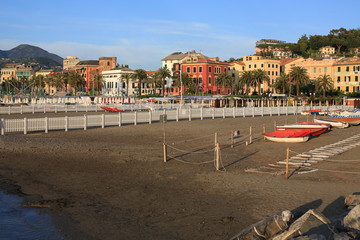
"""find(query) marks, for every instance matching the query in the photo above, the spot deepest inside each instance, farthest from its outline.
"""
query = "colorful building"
(346, 73)
(203, 71)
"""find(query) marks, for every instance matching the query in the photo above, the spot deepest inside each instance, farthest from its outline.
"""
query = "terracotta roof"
(239, 62)
(152, 72)
(287, 61)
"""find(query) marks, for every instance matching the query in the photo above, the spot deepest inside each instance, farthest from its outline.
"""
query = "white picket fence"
(66, 123)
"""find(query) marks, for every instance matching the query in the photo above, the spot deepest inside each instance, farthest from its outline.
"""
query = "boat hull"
(288, 140)
(336, 124)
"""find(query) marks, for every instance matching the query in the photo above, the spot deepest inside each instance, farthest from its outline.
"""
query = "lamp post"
(181, 86)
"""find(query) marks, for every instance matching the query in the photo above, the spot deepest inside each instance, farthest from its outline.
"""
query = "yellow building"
(8, 72)
(316, 68)
(346, 74)
(270, 66)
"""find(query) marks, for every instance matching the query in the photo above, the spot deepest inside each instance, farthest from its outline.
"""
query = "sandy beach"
(112, 183)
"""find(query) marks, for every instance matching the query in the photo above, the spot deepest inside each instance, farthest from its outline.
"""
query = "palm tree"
(246, 80)
(299, 76)
(282, 83)
(38, 82)
(126, 77)
(224, 80)
(98, 83)
(323, 84)
(187, 83)
(163, 74)
(139, 75)
(260, 76)
(75, 80)
(155, 80)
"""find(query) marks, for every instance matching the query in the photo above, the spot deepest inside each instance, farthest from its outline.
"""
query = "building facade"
(203, 71)
(346, 74)
(70, 62)
(115, 85)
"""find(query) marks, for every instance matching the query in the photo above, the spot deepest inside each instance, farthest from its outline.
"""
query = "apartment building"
(115, 84)
(346, 73)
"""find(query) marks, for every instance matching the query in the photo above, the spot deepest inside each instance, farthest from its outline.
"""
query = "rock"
(342, 236)
(266, 228)
(352, 220)
(312, 222)
(353, 199)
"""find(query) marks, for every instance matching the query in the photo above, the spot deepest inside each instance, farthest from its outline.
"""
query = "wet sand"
(112, 183)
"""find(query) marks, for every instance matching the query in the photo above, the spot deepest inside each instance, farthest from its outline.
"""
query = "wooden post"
(46, 123)
(234, 115)
(253, 111)
(102, 120)
(189, 114)
(165, 152)
(213, 113)
(21, 109)
(201, 114)
(2, 125)
(287, 163)
(217, 160)
(274, 125)
(223, 112)
(33, 109)
(250, 137)
(135, 117)
(216, 138)
(232, 139)
(44, 108)
(264, 130)
(25, 125)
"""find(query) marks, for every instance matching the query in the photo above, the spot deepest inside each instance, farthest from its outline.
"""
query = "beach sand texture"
(112, 183)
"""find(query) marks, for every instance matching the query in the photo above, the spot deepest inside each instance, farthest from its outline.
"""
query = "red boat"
(315, 128)
(289, 135)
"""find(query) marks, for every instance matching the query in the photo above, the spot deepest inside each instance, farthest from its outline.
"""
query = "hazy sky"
(141, 33)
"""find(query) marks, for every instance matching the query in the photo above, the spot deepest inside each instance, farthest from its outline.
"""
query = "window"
(347, 89)
(187, 69)
(249, 65)
(347, 68)
(325, 69)
(194, 69)
(200, 69)
(272, 65)
(338, 79)
(356, 78)
(314, 70)
(262, 65)
(209, 69)
(209, 81)
(339, 69)
(254, 65)
(268, 65)
(338, 88)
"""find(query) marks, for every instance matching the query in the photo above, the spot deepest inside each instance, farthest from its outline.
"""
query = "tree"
(260, 76)
(323, 84)
(187, 83)
(38, 82)
(224, 80)
(246, 80)
(303, 43)
(75, 80)
(282, 83)
(97, 83)
(298, 77)
(141, 76)
(126, 77)
(163, 74)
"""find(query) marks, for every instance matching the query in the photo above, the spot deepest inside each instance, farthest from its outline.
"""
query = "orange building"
(203, 70)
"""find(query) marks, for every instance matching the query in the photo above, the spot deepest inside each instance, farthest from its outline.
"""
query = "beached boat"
(315, 129)
(288, 136)
(308, 112)
(337, 124)
(351, 119)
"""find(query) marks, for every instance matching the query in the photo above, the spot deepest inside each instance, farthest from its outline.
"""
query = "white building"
(114, 84)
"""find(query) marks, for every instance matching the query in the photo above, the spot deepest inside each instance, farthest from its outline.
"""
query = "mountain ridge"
(29, 51)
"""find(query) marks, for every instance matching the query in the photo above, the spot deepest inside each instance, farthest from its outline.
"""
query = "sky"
(142, 32)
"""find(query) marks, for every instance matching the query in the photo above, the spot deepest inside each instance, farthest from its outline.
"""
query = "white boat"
(288, 140)
(333, 123)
